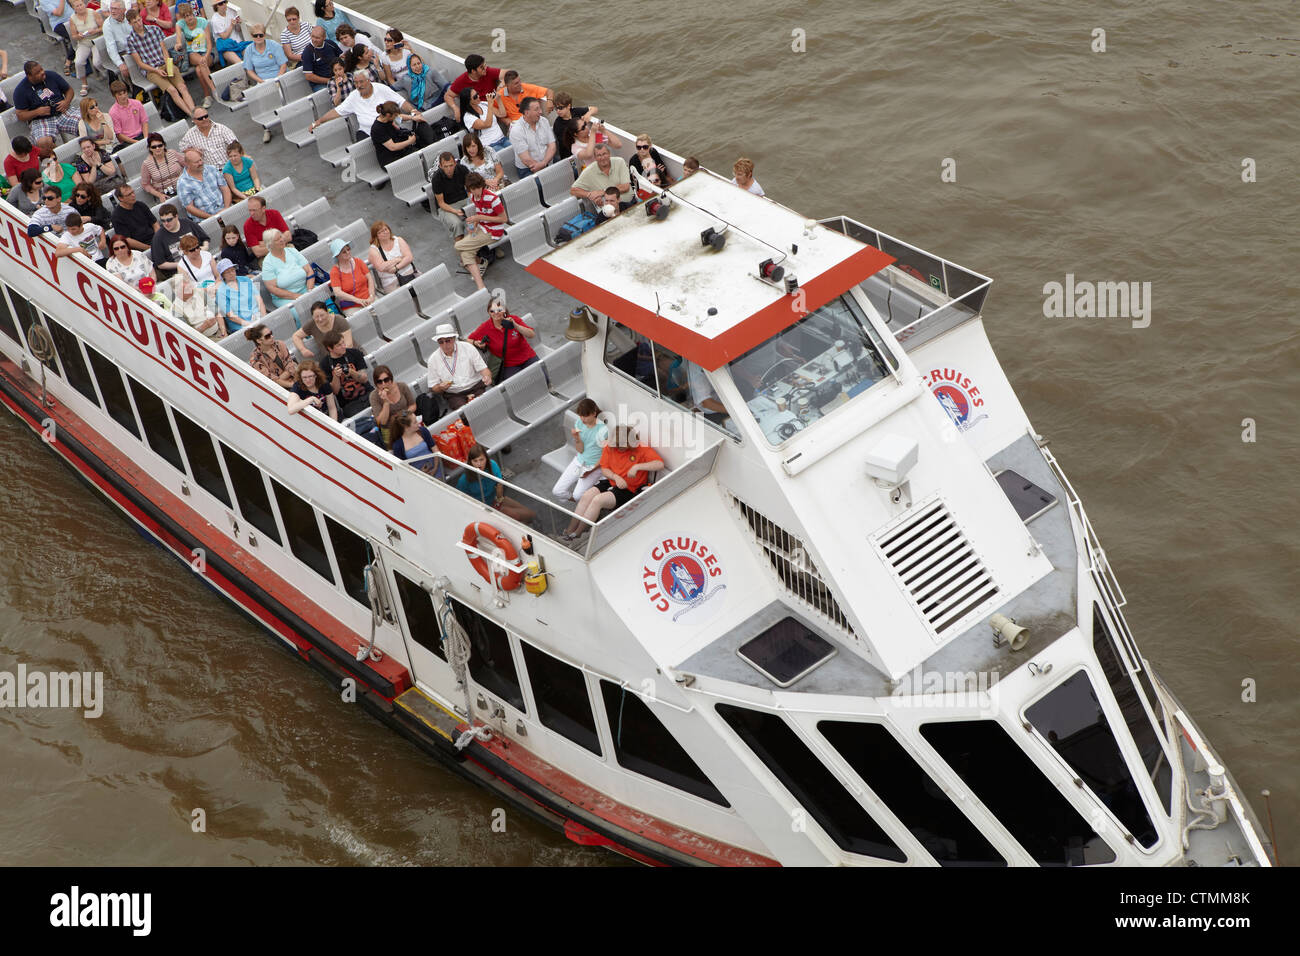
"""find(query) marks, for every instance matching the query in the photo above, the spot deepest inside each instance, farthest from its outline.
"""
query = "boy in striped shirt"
(484, 224)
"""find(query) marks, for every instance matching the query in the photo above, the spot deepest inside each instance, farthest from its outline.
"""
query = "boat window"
(1070, 719)
(421, 615)
(886, 767)
(74, 365)
(202, 457)
(7, 325)
(118, 403)
(250, 492)
(157, 426)
(811, 783)
(27, 318)
(811, 368)
(352, 555)
(304, 533)
(1130, 705)
(1015, 791)
(644, 745)
(563, 703)
(672, 377)
(490, 662)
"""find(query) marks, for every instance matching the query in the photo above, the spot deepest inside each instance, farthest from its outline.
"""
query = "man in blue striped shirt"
(202, 188)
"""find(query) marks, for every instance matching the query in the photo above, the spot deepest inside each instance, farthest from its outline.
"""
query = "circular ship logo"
(683, 579)
(958, 395)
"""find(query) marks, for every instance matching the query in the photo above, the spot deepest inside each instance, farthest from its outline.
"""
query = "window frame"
(534, 699)
(138, 431)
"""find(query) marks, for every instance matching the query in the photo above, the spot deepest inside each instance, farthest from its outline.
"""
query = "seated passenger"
(422, 84)
(625, 465)
(237, 300)
(412, 440)
(505, 337)
(391, 142)
(589, 133)
(165, 247)
(532, 139)
(589, 440)
(449, 193)
(61, 176)
(196, 262)
(191, 303)
(390, 257)
(345, 370)
(201, 188)
(194, 42)
(241, 173)
(479, 115)
(389, 399)
(234, 251)
(478, 76)
(26, 196)
(396, 49)
(161, 169)
(320, 324)
(319, 57)
(488, 491)
(363, 105)
(690, 165)
(744, 178)
(286, 273)
(566, 122)
(456, 374)
(513, 91)
(22, 155)
(53, 212)
(132, 219)
(340, 84)
(294, 37)
(80, 236)
(608, 170)
(270, 356)
(349, 39)
(97, 124)
(129, 265)
(648, 161)
(312, 389)
(87, 202)
(264, 60)
(477, 158)
(484, 226)
(130, 122)
(349, 278)
(93, 167)
(227, 34)
(327, 17)
(261, 218)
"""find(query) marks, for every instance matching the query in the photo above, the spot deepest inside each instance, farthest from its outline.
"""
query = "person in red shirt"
(22, 155)
(627, 465)
(479, 76)
(505, 336)
(349, 277)
(260, 219)
(485, 223)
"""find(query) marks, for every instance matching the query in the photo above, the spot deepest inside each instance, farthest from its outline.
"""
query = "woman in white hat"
(350, 278)
(456, 370)
(237, 300)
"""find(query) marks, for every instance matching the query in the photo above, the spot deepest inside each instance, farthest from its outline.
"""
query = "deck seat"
(521, 200)
(528, 398)
(316, 216)
(221, 79)
(468, 313)
(402, 355)
(564, 371)
(433, 291)
(263, 100)
(408, 178)
(279, 195)
(528, 240)
(333, 139)
(294, 86)
(559, 458)
(395, 313)
(365, 330)
(296, 117)
(557, 215)
(490, 420)
(555, 181)
(363, 164)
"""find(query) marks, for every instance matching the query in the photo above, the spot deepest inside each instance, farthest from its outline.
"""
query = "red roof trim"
(712, 353)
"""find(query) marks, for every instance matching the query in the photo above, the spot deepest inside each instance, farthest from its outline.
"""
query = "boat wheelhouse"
(860, 618)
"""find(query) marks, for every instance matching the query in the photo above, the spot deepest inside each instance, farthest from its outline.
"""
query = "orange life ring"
(473, 531)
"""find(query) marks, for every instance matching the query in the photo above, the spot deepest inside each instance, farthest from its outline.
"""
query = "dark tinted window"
(644, 745)
(922, 806)
(1130, 705)
(560, 691)
(1016, 792)
(74, 366)
(490, 662)
(157, 428)
(303, 531)
(202, 457)
(7, 325)
(109, 377)
(421, 619)
(27, 318)
(352, 556)
(810, 782)
(1071, 719)
(250, 492)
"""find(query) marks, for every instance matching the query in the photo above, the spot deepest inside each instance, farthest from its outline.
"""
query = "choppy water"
(1116, 166)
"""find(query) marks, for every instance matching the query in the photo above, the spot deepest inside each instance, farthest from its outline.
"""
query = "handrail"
(1097, 560)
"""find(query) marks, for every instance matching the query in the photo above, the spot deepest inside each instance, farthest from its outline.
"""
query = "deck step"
(429, 712)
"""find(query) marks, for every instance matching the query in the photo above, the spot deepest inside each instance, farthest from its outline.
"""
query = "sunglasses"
(53, 197)
(81, 195)
(158, 146)
(642, 145)
(496, 311)
(167, 218)
(120, 246)
(258, 36)
(382, 381)
(266, 337)
(200, 119)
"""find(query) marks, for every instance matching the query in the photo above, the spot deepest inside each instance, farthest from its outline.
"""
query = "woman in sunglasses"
(585, 138)
(271, 357)
(647, 160)
(160, 169)
(87, 201)
(129, 265)
(505, 337)
(481, 117)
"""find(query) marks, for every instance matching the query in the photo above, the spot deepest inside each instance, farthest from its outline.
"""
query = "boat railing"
(1098, 563)
(955, 293)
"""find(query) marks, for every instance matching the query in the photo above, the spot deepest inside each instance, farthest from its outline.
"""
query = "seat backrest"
(521, 200)
(433, 290)
(557, 215)
(527, 388)
(394, 311)
(555, 181)
(487, 412)
(263, 100)
(294, 86)
(564, 369)
(277, 192)
(471, 311)
(173, 132)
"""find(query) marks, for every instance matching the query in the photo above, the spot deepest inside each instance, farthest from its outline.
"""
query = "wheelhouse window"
(74, 366)
(1071, 720)
(490, 662)
(1130, 704)
(202, 457)
(811, 369)
(304, 533)
(118, 403)
(644, 745)
(250, 492)
(918, 802)
(811, 783)
(157, 426)
(1015, 791)
(563, 704)
(671, 376)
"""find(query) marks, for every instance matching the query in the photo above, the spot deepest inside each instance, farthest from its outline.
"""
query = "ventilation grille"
(937, 566)
(794, 566)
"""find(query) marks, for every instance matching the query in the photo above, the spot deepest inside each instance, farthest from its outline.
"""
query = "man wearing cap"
(456, 370)
(237, 301)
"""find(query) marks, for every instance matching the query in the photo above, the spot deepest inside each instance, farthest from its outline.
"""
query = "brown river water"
(1123, 165)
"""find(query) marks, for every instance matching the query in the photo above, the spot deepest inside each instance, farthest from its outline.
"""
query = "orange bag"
(455, 440)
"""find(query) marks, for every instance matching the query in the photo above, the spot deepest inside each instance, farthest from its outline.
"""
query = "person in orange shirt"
(350, 278)
(627, 465)
(512, 92)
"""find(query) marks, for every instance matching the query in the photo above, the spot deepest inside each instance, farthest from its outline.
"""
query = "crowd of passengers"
(220, 292)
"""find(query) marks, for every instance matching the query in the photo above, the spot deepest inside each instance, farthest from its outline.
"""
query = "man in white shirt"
(533, 140)
(744, 170)
(116, 30)
(363, 103)
(456, 370)
(209, 137)
(79, 236)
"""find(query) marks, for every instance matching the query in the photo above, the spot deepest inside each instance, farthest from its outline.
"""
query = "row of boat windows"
(1069, 717)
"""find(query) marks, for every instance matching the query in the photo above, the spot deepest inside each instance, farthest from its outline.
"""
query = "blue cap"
(337, 246)
(36, 229)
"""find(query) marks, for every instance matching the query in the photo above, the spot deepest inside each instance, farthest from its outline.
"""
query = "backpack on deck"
(582, 222)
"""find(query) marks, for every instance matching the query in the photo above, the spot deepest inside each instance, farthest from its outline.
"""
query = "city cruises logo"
(684, 580)
(958, 395)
